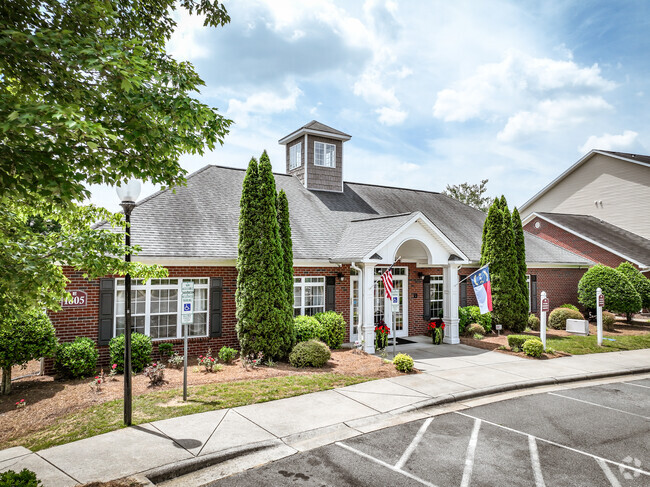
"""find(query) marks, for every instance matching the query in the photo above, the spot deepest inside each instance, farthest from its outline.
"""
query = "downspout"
(361, 300)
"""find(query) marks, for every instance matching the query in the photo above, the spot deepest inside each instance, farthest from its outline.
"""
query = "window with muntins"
(436, 296)
(308, 295)
(156, 308)
(295, 155)
(324, 154)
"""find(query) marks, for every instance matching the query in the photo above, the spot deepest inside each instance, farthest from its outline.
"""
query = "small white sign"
(499, 327)
(395, 301)
(187, 303)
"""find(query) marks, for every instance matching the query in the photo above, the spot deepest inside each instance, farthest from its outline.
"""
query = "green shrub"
(472, 314)
(557, 318)
(28, 338)
(533, 322)
(569, 306)
(640, 283)
(620, 295)
(76, 359)
(478, 336)
(140, 351)
(333, 326)
(473, 329)
(533, 347)
(165, 349)
(403, 362)
(312, 353)
(608, 321)
(307, 328)
(227, 354)
(517, 341)
(26, 478)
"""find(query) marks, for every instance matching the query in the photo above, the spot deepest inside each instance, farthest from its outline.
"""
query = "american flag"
(387, 277)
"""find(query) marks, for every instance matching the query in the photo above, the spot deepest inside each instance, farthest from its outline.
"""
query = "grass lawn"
(166, 404)
(579, 345)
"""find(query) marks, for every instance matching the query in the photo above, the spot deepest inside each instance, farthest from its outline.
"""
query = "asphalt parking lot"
(590, 436)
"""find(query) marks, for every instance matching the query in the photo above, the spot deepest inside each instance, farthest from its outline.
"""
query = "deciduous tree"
(471, 194)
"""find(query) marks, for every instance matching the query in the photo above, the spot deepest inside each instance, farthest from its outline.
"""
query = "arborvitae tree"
(266, 327)
(491, 227)
(247, 257)
(287, 250)
(520, 253)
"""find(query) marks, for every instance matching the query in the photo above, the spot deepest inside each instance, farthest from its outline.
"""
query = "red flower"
(114, 366)
(99, 381)
(443, 325)
(153, 365)
(22, 400)
(96, 377)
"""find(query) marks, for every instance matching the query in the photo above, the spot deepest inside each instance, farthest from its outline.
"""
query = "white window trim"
(302, 285)
(297, 150)
(528, 286)
(325, 144)
(441, 279)
(148, 287)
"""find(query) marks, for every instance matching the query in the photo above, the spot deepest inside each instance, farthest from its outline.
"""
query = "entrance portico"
(410, 242)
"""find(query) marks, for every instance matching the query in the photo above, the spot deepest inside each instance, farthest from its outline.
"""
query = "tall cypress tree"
(520, 252)
(287, 251)
(508, 270)
(491, 227)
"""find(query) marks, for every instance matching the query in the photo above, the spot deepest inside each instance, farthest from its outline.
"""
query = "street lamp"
(128, 194)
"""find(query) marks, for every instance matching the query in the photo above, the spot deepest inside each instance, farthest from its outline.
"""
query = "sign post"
(187, 318)
(542, 324)
(394, 309)
(600, 301)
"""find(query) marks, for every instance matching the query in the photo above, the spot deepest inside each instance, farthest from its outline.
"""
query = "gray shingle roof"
(605, 234)
(630, 156)
(200, 219)
(320, 127)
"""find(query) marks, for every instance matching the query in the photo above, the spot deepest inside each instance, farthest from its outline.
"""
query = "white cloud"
(609, 141)
(261, 103)
(390, 116)
(551, 115)
(371, 88)
(518, 82)
(185, 42)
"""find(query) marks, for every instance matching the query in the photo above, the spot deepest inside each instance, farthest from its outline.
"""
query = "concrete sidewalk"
(280, 428)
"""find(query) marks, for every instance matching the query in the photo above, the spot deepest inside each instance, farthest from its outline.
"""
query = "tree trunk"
(6, 381)
(628, 317)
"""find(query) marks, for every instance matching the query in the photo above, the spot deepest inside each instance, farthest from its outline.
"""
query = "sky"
(432, 92)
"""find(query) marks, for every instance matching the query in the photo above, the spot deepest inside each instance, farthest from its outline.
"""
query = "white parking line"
(384, 464)
(598, 405)
(534, 460)
(416, 441)
(469, 456)
(550, 442)
(608, 473)
(635, 385)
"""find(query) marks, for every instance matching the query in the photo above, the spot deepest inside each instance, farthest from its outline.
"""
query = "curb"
(530, 384)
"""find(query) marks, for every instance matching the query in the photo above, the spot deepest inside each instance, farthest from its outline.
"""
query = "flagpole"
(391, 266)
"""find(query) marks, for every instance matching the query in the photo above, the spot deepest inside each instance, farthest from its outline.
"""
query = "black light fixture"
(128, 194)
(420, 275)
(340, 276)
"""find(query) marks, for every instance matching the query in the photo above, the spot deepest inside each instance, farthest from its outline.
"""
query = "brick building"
(344, 236)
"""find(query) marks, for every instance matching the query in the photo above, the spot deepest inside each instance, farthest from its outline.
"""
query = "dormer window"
(295, 155)
(324, 154)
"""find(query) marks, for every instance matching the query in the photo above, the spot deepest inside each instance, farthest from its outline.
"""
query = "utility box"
(578, 327)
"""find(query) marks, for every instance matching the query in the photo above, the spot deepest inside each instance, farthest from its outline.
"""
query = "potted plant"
(381, 336)
(437, 329)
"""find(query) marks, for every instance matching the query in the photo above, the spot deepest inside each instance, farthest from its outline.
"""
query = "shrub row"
(472, 314)
(328, 327)
(557, 318)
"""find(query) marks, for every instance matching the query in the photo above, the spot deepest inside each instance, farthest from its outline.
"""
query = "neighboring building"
(344, 236)
(598, 208)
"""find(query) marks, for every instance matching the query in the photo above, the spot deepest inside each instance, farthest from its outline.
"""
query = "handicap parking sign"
(187, 307)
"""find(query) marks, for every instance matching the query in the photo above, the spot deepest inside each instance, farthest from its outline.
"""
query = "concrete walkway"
(280, 428)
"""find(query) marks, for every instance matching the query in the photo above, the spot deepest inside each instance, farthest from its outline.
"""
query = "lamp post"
(128, 194)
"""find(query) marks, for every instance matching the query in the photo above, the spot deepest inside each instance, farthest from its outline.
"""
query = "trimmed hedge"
(533, 347)
(77, 359)
(227, 354)
(640, 283)
(533, 322)
(472, 314)
(608, 321)
(312, 353)
(26, 478)
(570, 306)
(308, 328)
(557, 318)
(517, 341)
(403, 362)
(473, 329)
(333, 326)
(620, 295)
(140, 351)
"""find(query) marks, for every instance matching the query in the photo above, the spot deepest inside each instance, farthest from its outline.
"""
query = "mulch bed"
(49, 398)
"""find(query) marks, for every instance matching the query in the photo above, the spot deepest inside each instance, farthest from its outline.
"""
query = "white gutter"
(361, 300)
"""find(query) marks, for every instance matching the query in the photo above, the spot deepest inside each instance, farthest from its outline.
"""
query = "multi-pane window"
(156, 308)
(308, 295)
(295, 155)
(324, 154)
(436, 296)
(528, 286)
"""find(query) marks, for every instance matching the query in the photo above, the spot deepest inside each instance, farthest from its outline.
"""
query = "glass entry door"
(400, 283)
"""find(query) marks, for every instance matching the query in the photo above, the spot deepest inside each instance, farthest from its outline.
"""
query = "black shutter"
(426, 296)
(216, 313)
(106, 309)
(533, 294)
(463, 294)
(330, 293)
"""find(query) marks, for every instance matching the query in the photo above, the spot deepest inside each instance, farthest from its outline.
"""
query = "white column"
(451, 303)
(368, 315)
(599, 317)
(542, 321)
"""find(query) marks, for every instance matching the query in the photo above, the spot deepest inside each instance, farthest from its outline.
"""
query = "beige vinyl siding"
(623, 187)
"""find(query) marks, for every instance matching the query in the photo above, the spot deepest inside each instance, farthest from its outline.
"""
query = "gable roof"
(624, 156)
(316, 128)
(200, 219)
(623, 243)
